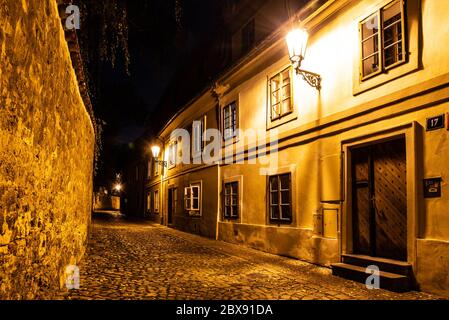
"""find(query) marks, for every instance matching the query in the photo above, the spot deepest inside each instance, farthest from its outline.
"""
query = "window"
(149, 202)
(198, 143)
(156, 201)
(192, 199)
(231, 200)
(382, 40)
(280, 198)
(248, 36)
(172, 153)
(280, 95)
(230, 121)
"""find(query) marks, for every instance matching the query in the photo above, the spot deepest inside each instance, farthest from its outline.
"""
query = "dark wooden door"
(380, 200)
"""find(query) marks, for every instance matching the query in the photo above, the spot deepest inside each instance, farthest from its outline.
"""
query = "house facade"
(354, 170)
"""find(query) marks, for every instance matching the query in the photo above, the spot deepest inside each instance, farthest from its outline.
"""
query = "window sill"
(280, 222)
(375, 81)
(271, 124)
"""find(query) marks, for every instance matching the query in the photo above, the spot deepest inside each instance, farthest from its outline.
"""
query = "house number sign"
(435, 123)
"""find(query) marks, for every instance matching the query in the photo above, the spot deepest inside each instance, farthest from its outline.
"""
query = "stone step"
(388, 281)
(387, 265)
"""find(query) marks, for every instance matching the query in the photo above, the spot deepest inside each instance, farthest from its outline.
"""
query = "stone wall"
(46, 152)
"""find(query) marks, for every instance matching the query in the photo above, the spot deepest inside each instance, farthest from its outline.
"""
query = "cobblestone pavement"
(139, 260)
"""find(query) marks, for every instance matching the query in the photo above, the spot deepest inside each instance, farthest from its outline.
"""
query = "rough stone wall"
(46, 152)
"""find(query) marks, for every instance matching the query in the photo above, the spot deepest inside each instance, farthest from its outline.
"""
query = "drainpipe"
(218, 90)
(218, 199)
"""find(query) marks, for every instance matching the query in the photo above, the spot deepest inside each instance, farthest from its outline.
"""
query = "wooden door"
(380, 200)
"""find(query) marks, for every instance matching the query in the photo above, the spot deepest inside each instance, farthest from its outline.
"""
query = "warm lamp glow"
(118, 187)
(297, 45)
(155, 151)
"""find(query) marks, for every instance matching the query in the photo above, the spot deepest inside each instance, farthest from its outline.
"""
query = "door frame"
(170, 190)
(413, 148)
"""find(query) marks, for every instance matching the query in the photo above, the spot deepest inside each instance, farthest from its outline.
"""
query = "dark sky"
(158, 46)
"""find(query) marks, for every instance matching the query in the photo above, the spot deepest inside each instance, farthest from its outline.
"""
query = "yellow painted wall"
(315, 152)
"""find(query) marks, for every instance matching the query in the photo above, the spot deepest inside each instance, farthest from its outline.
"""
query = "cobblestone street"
(139, 260)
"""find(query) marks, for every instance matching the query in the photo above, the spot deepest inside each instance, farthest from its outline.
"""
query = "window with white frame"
(192, 199)
(280, 203)
(230, 121)
(172, 153)
(198, 133)
(382, 39)
(231, 200)
(280, 95)
(156, 201)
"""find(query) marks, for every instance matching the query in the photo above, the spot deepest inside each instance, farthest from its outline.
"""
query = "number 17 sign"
(436, 123)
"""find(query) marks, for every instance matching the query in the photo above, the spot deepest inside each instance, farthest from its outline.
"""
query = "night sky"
(159, 45)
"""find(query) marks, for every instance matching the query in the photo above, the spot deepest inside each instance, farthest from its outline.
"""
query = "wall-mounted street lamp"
(297, 46)
(155, 150)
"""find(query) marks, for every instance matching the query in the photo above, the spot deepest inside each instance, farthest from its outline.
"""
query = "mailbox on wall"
(432, 188)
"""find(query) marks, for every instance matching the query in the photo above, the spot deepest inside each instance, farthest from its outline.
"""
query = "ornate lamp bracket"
(313, 79)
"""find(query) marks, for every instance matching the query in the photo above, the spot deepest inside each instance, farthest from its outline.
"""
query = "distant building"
(357, 173)
(105, 200)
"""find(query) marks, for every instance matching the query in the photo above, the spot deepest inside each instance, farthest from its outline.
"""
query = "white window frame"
(188, 199)
(230, 128)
